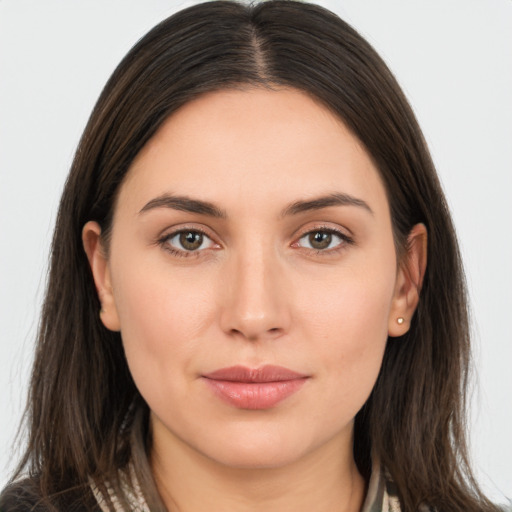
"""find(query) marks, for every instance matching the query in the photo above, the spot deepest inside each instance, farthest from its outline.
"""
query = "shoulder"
(20, 497)
(23, 496)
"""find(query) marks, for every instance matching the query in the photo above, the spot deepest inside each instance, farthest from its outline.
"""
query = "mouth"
(254, 388)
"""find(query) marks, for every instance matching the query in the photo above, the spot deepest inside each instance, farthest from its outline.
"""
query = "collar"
(381, 496)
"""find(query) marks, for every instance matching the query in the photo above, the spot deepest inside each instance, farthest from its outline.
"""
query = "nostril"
(254, 335)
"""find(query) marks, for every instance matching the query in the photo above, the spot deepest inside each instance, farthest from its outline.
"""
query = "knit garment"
(381, 495)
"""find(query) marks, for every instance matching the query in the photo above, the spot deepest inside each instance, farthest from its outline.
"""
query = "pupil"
(320, 240)
(190, 240)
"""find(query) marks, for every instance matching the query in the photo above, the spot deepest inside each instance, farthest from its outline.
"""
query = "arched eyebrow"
(188, 204)
(335, 199)
(184, 204)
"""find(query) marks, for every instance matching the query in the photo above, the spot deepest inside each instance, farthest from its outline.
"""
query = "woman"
(255, 298)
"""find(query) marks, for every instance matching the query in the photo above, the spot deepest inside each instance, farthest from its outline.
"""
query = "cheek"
(348, 319)
(352, 300)
(163, 316)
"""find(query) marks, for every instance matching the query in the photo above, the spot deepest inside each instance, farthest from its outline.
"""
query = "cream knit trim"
(131, 489)
(133, 494)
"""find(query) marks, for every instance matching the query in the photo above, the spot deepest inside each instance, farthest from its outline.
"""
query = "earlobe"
(91, 239)
(409, 282)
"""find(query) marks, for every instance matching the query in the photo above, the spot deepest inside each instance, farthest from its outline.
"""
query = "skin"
(256, 292)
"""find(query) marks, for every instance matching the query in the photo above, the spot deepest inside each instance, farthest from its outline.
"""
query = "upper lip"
(267, 373)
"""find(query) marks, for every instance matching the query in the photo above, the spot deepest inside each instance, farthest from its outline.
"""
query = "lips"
(254, 388)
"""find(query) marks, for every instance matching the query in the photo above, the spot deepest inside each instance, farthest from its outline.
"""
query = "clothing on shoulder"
(24, 496)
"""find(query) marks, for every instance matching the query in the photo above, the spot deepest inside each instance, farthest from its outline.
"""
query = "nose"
(255, 303)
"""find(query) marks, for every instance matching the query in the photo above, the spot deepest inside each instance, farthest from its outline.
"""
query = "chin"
(256, 450)
(257, 458)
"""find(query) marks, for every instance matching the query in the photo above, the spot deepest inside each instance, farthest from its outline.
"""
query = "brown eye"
(191, 240)
(320, 239)
(188, 241)
(323, 240)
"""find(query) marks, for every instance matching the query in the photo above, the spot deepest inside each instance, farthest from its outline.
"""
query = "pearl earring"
(400, 320)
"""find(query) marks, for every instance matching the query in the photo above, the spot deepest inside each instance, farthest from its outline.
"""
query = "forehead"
(257, 144)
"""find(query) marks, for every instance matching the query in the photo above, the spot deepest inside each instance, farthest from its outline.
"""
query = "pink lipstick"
(258, 388)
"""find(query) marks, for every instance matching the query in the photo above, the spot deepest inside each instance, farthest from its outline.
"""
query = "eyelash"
(183, 253)
(344, 240)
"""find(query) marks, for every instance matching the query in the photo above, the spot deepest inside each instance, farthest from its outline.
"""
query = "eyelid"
(346, 239)
(169, 233)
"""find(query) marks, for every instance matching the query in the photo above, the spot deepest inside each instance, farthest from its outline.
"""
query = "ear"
(91, 238)
(409, 280)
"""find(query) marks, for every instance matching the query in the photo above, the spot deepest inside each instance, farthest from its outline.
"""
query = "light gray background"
(452, 57)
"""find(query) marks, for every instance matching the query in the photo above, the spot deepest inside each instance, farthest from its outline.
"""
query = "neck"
(324, 480)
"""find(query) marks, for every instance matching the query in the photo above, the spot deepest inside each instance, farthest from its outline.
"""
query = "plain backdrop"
(454, 61)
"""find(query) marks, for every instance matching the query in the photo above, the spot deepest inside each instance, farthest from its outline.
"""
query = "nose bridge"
(256, 304)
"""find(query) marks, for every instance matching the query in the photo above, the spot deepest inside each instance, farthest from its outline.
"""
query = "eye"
(323, 239)
(188, 240)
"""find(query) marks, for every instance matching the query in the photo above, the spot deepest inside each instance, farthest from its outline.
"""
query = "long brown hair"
(85, 416)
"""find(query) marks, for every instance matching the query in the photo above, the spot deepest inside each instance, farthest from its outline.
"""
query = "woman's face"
(253, 276)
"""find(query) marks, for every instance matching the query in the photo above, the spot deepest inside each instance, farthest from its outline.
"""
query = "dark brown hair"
(86, 418)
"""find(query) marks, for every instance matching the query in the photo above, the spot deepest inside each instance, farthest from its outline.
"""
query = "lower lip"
(255, 395)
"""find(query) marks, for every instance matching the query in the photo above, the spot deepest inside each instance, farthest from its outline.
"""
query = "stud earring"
(400, 320)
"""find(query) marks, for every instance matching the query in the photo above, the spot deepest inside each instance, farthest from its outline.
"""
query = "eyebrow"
(335, 199)
(185, 204)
